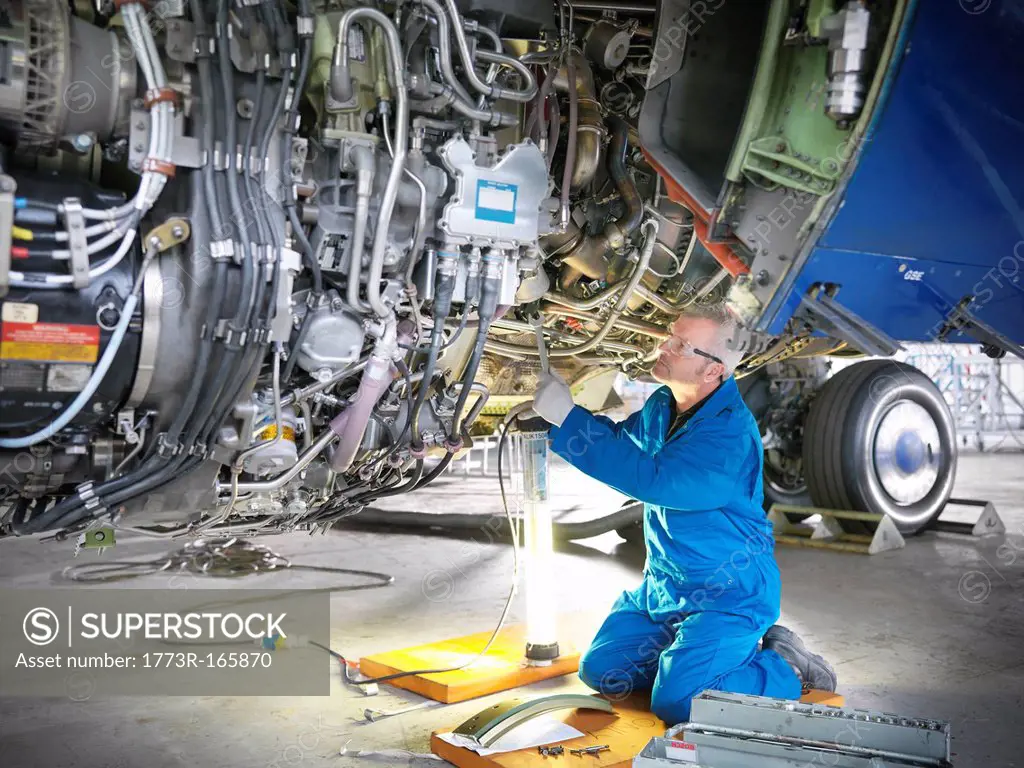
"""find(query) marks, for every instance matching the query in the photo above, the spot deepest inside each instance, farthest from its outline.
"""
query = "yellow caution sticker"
(49, 342)
(287, 433)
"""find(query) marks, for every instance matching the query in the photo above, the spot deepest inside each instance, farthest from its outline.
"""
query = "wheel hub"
(907, 452)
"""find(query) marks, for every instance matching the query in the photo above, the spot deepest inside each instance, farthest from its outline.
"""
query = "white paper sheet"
(533, 733)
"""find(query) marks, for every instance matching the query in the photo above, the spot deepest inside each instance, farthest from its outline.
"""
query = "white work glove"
(552, 401)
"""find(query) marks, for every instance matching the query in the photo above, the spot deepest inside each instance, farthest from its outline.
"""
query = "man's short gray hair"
(727, 328)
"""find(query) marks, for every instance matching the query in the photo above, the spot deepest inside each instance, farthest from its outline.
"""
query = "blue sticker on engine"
(496, 201)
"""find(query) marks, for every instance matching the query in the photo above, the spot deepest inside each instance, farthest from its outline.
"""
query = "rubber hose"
(630, 514)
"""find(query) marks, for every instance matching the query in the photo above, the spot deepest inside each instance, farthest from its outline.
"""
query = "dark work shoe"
(813, 670)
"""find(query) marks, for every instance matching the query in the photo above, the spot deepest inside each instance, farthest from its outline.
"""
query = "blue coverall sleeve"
(629, 427)
(695, 473)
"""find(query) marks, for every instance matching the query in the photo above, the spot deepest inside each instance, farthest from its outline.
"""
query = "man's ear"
(714, 372)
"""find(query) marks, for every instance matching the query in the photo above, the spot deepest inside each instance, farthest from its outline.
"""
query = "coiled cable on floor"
(228, 557)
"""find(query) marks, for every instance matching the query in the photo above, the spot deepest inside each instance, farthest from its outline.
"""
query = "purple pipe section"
(350, 424)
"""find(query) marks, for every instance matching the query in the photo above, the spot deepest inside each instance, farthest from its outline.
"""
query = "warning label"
(50, 342)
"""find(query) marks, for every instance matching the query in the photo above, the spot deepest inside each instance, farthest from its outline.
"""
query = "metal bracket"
(7, 189)
(172, 232)
(772, 159)
(181, 41)
(186, 151)
(78, 243)
(844, 324)
(494, 722)
(126, 425)
(962, 319)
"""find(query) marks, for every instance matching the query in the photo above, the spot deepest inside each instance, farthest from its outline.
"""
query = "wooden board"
(503, 668)
(626, 733)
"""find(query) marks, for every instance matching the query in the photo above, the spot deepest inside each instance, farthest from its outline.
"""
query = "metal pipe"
(576, 79)
(447, 97)
(340, 71)
(502, 59)
(493, 91)
(445, 48)
(615, 7)
(584, 304)
(661, 302)
(305, 393)
(363, 160)
(485, 394)
(651, 226)
(624, 323)
(280, 481)
(420, 234)
(515, 325)
(630, 220)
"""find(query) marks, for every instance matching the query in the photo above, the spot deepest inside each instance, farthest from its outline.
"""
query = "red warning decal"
(50, 342)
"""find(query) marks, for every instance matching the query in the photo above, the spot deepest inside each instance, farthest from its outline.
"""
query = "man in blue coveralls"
(703, 616)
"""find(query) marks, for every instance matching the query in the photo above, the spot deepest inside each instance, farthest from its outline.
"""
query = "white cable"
(115, 222)
(113, 346)
(18, 279)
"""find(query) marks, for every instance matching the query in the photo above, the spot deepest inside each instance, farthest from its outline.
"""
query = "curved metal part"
(491, 724)
(591, 125)
(630, 220)
(592, 254)
(152, 303)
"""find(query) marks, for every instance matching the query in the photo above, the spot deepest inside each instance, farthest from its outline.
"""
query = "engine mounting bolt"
(177, 231)
(82, 142)
(337, 305)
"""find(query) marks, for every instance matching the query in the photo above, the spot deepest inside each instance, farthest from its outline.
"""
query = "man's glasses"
(676, 346)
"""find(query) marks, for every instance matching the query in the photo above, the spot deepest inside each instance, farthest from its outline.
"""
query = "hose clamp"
(166, 449)
(78, 243)
(85, 492)
(222, 249)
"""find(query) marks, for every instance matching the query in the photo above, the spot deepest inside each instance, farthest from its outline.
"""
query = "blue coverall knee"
(676, 660)
(711, 586)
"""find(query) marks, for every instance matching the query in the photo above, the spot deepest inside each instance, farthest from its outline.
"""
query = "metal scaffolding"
(986, 396)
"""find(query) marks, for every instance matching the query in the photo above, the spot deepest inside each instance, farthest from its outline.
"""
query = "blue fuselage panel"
(935, 209)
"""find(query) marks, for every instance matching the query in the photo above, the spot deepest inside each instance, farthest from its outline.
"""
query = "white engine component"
(498, 206)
